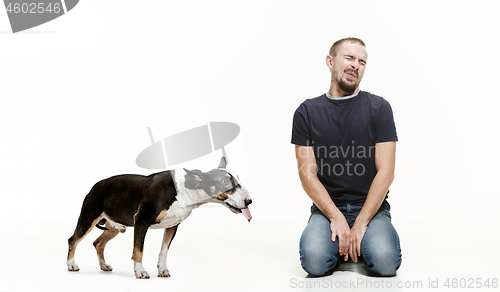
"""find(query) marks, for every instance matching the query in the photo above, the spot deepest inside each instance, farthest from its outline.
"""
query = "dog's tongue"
(246, 213)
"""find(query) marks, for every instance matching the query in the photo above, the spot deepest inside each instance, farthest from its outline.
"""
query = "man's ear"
(329, 61)
(223, 162)
(193, 178)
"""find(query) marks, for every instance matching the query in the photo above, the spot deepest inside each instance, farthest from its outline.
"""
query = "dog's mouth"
(245, 211)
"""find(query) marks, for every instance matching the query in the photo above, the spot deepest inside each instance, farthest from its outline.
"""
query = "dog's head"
(221, 185)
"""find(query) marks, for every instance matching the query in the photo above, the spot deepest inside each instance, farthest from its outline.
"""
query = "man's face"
(348, 66)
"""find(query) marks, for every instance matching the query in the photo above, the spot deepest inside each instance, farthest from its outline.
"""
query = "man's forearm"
(376, 196)
(385, 161)
(306, 163)
(318, 194)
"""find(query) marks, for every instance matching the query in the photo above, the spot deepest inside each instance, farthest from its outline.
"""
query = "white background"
(78, 93)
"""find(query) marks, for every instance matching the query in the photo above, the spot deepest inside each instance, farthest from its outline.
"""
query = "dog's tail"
(100, 224)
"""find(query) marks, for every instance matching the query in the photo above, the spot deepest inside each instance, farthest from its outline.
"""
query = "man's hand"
(340, 228)
(356, 235)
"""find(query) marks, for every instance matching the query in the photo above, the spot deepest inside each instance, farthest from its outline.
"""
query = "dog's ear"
(222, 163)
(193, 178)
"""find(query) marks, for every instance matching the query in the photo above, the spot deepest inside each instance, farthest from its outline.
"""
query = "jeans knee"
(383, 264)
(316, 263)
(384, 270)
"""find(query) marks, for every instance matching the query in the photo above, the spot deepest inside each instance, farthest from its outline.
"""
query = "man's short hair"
(336, 45)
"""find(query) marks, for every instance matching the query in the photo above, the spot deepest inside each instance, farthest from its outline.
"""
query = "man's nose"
(355, 64)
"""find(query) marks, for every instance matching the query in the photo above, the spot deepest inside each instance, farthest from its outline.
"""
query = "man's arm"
(306, 163)
(385, 160)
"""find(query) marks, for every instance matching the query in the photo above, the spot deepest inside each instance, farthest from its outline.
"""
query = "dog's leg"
(140, 230)
(83, 228)
(168, 235)
(100, 243)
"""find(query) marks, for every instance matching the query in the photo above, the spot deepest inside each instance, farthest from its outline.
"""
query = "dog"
(160, 200)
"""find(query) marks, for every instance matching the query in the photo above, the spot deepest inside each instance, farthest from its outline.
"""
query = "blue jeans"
(380, 246)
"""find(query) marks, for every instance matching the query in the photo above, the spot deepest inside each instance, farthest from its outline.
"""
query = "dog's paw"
(72, 266)
(142, 275)
(105, 267)
(163, 273)
(140, 272)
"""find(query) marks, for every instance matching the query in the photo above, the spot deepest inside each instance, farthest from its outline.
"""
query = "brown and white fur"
(160, 200)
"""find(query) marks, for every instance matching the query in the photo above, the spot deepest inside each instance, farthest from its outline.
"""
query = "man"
(345, 144)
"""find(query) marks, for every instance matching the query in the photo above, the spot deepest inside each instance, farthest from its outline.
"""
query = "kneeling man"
(345, 144)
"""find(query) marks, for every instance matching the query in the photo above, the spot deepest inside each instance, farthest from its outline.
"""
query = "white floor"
(215, 250)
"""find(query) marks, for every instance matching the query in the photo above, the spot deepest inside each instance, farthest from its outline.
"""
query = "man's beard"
(348, 88)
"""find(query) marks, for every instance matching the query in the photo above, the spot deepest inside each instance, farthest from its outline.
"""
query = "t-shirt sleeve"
(385, 128)
(300, 129)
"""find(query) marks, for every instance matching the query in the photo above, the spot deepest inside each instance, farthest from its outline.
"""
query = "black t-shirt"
(343, 134)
